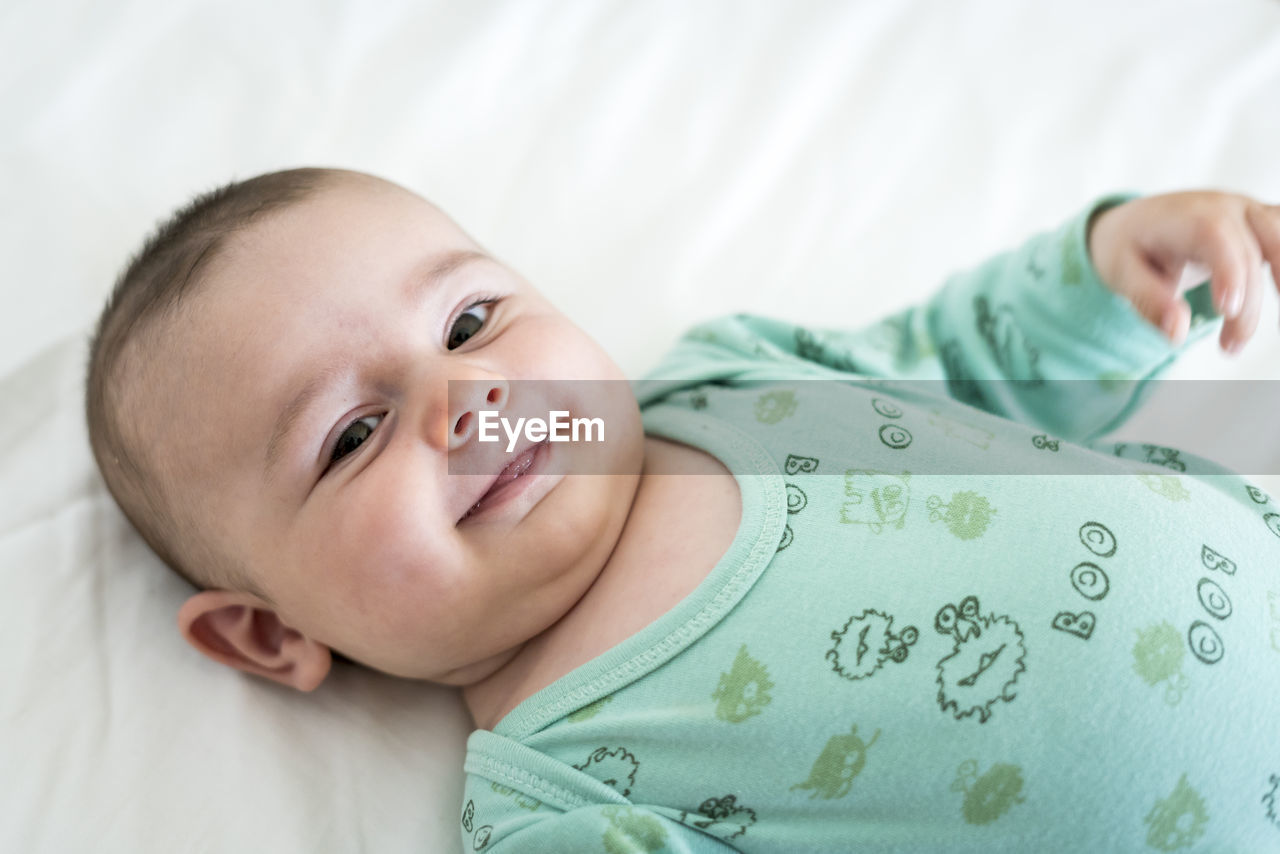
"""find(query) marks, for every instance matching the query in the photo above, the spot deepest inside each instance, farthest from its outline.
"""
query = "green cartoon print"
(961, 383)
(1044, 442)
(876, 499)
(984, 663)
(1269, 801)
(989, 796)
(841, 760)
(871, 642)
(773, 406)
(1010, 348)
(615, 768)
(632, 832)
(967, 516)
(1157, 657)
(1257, 496)
(1162, 456)
(724, 817)
(1167, 486)
(589, 711)
(1178, 820)
(808, 347)
(744, 690)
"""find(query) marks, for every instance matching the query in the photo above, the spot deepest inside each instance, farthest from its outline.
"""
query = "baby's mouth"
(513, 470)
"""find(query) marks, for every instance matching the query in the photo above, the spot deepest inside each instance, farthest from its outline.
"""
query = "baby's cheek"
(380, 554)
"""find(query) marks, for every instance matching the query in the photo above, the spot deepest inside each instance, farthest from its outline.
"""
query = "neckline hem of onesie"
(754, 544)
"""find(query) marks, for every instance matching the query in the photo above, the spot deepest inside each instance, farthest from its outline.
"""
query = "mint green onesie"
(952, 619)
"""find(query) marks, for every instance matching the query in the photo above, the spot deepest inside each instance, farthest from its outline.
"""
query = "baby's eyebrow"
(417, 286)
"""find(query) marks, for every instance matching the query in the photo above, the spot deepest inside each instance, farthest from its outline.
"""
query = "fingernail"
(1237, 301)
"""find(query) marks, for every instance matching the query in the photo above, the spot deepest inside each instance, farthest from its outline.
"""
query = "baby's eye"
(354, 436)
(469, 323)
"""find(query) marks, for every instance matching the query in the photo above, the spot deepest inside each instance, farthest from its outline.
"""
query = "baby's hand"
(1140, 249)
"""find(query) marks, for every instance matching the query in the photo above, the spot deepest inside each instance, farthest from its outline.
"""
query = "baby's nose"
(466, 399)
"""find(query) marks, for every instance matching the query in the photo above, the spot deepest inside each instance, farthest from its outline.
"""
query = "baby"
(794, 603)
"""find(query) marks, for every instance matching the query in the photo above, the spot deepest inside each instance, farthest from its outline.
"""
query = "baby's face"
(311, 405)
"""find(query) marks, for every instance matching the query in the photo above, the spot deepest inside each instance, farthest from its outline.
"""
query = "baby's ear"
(236, 630)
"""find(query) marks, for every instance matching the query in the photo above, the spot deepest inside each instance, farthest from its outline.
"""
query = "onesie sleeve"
(1032, 334)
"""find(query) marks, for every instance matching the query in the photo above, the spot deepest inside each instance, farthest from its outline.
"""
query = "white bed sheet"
(647, 164)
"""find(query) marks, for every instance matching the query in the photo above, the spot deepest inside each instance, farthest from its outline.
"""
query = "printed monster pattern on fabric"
(616, 768)
(1044, 442)
(774, 406)
(632, 832)
(987, 656)
(808, 347)
(838, 765)
(743, 691)
(1008, 344)
(1269, 801)
(1167, 486)
(967, 515)
(723, 816)
(961, 383)
(1178, 820)
(876, 499)
(1158, 656)
(989, 795)
(863, 658)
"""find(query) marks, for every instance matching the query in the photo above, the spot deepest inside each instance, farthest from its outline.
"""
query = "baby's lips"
(490, 475)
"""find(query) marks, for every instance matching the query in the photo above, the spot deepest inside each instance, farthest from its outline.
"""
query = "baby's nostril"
(461, 426)
(494, 394)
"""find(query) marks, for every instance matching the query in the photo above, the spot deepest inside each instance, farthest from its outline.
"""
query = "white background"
(648, 164)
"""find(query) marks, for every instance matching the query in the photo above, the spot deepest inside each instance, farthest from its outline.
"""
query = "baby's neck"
(678, 528)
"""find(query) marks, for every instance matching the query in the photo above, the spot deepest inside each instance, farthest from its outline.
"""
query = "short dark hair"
(170, 266)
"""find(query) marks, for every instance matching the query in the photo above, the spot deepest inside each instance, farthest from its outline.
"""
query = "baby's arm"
(1141, 248)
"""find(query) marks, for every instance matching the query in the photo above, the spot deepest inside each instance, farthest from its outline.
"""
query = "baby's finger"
(1219, 244)
(1264, 220)
(1239, 329)
(1151, 289)
(1177, 321)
